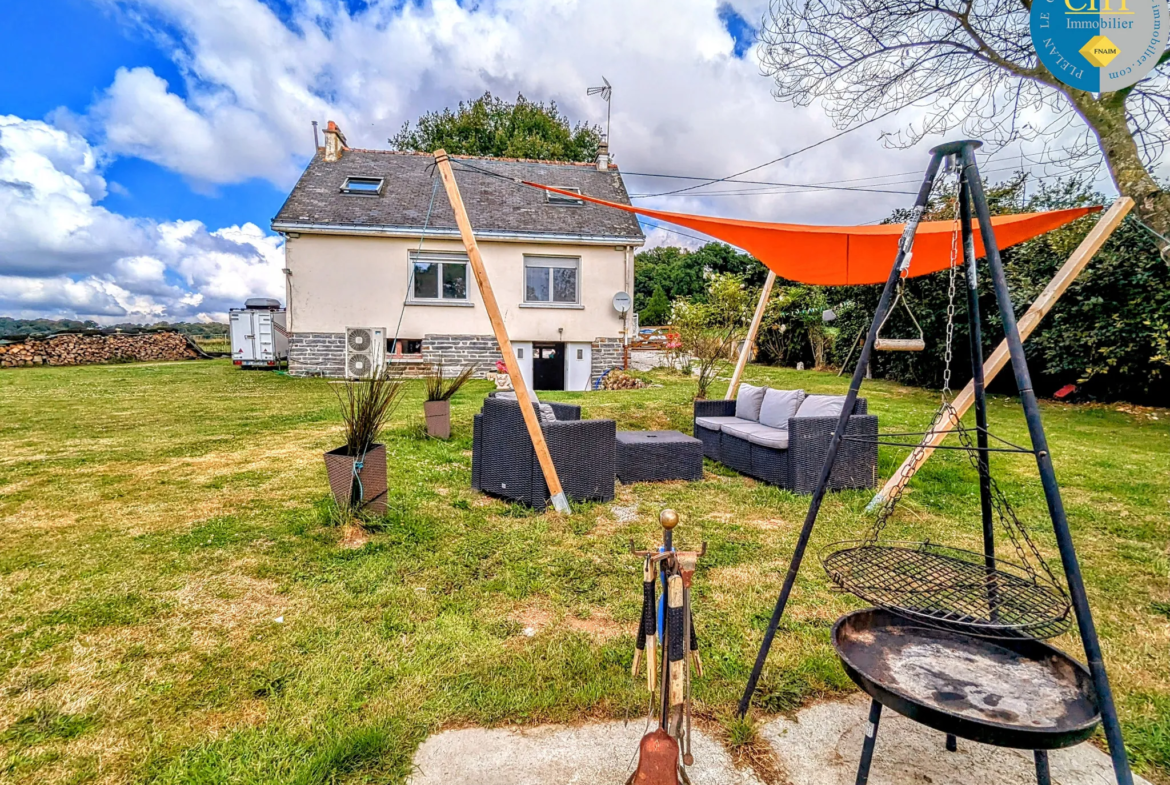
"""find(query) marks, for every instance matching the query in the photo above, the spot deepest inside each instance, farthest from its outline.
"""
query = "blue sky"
(62, 53)
(146, 144)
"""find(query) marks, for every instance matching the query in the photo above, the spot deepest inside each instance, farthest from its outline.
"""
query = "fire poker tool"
(659, 758)
(648, 627)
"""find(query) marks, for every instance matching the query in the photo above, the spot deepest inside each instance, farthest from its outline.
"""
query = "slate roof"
(499, 208)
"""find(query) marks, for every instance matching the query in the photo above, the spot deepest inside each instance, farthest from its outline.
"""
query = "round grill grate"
(950, 588)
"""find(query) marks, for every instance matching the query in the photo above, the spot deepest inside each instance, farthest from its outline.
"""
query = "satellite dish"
(622, 302)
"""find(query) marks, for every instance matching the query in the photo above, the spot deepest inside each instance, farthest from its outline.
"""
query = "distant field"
(218, 345)
(175, 608)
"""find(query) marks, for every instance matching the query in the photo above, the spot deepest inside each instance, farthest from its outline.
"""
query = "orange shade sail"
(847, 255)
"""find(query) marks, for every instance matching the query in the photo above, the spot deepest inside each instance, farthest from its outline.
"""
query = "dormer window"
(562, 199)
(362, 186)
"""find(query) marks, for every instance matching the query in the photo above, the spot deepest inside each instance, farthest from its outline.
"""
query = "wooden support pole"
(750, 340)
(559, 500)
(1028, 322)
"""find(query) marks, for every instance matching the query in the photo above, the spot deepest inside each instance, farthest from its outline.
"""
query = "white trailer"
(259, 334)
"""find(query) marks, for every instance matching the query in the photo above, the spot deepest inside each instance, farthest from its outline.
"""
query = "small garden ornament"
(500, 377)
(357, 469)
(440, 389)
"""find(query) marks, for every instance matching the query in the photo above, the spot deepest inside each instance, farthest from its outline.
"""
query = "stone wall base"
(323, 354)
(316, 354)
(607, 353)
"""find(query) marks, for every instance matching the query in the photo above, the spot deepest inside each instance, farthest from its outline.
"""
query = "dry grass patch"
(539, 616)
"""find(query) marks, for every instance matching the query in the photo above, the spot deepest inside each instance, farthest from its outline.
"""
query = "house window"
(551, 279)
(404, 346)
(440, 277)
(554, 198)
(362, 186)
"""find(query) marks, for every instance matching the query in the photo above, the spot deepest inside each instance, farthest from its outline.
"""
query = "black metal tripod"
(970, 192)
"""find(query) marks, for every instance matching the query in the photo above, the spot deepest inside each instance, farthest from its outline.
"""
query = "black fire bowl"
(1019, 693)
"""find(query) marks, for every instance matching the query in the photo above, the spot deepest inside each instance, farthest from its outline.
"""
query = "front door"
(548, 366)
(578, 365)
(523, 351)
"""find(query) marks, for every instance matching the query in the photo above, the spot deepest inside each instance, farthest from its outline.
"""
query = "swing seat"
(899, 344)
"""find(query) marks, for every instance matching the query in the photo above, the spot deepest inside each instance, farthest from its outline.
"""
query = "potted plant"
(357, 469)
(438, 403)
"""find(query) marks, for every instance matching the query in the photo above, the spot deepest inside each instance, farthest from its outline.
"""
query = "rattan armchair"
(504, 463)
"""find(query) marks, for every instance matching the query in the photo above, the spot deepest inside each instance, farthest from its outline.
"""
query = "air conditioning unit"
(365, 351)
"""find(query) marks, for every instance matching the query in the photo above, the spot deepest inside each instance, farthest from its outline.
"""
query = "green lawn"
(176, 608)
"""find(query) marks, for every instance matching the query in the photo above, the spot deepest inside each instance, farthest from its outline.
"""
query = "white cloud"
(252, 82)
(683, 103)
(222, 142)
(63, 254)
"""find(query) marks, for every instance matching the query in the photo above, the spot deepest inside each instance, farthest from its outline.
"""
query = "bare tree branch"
(967, 65)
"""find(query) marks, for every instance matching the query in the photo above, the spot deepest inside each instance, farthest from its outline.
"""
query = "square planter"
(438, 418)
(339, 467)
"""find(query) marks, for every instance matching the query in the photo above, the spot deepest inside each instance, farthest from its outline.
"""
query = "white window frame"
(560, 200)
(441, 259)
(552, 261)
(345, 188)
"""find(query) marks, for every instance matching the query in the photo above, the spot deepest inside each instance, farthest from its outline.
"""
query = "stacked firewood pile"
(86, 348)
(620, 380)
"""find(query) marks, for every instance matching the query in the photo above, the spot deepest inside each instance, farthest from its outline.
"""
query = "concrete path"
(820, 747)
(596, 754)
(823, 747)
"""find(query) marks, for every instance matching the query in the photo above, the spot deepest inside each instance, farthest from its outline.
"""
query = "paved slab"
(823, 746)
(597, 754)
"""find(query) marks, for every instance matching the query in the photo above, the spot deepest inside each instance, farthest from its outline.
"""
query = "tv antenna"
(606, 94)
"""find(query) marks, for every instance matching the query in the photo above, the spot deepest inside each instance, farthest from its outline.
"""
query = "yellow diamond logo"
(1100, 51)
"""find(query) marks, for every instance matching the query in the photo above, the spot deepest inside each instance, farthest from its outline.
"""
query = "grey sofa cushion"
(748, 402)
(779, 406)
(776, 438)
(715, 423)
(743, 429)
(547, 414)
(821, 406)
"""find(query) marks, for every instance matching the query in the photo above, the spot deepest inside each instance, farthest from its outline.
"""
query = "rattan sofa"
(797, 464)
(504, 463)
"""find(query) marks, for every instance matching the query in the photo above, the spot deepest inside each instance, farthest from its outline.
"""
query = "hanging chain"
(1026, 551)
(947, 354)
(886, 510)
(1022, 542)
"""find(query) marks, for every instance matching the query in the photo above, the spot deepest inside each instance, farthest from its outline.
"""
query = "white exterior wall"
(340, 281)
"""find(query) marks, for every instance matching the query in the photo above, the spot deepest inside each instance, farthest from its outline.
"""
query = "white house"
(361, 270)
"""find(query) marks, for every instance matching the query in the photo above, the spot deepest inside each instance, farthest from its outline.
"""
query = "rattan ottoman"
(654, 456)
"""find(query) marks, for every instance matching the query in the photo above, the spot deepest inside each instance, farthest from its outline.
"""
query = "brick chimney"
(603, 156)
(334, 142)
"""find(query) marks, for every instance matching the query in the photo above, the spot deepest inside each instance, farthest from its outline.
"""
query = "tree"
(682, 273)
(793, 328)
(491, 126)
(968, 65)
(657, 310)
(710, 329)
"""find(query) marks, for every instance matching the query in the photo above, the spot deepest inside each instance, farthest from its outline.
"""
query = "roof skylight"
(363, 186)
(562, 199)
